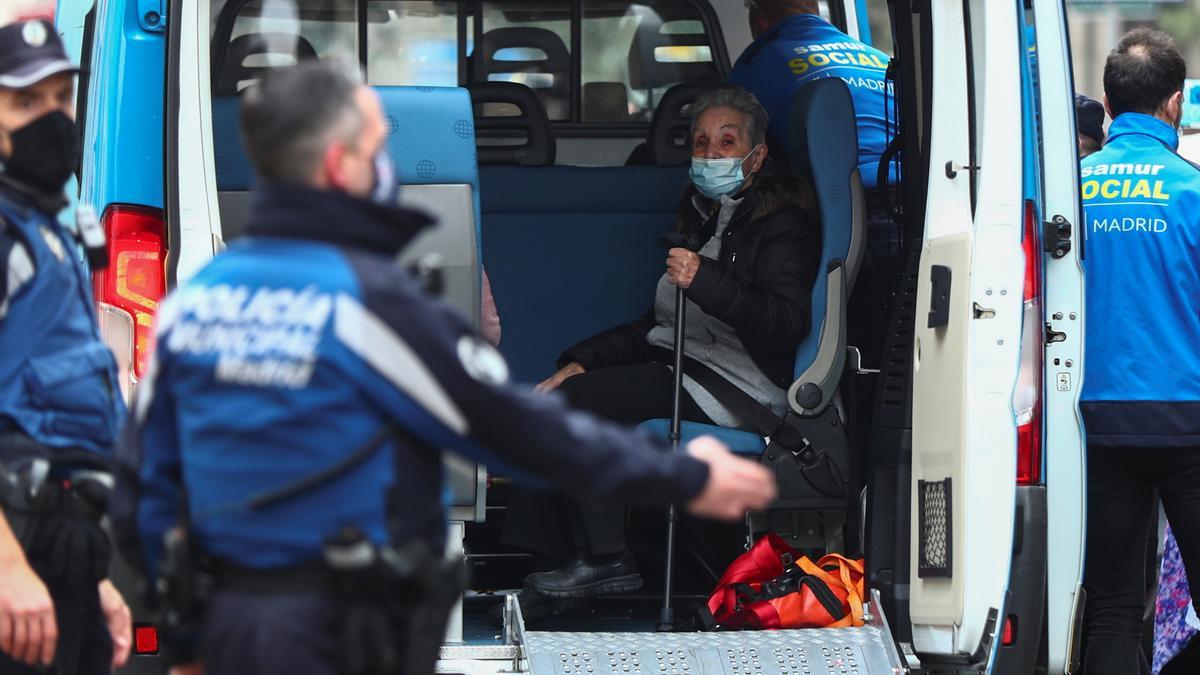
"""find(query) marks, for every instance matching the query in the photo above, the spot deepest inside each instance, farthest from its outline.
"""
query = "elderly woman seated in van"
(749, 291)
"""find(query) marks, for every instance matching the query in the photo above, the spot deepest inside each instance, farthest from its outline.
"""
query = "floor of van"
(616, 635)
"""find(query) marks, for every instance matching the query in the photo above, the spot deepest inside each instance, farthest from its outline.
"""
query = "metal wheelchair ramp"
(848, 651)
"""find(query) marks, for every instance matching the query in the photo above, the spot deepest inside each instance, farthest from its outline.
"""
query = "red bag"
(772, 586)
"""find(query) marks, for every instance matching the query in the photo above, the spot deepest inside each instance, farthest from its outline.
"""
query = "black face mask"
(45, 152)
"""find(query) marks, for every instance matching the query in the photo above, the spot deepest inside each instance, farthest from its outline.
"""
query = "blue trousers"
(271, 633)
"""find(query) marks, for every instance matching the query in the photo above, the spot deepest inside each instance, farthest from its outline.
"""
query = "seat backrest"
(431, 137)
(822, 143)
(669, 143)
(511, 126)
(571, 251)
(548, 75)
(605, 103)
(651, 63)
(238, 65)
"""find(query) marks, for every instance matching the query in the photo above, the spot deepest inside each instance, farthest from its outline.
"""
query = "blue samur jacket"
(299, 343)
(1141, 204)
(804, 48)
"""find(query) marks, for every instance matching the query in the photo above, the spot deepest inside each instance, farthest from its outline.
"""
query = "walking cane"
(666, 615)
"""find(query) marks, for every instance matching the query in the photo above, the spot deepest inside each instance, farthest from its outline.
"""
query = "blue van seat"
(431, 137)
(822, 144)
(571, 251)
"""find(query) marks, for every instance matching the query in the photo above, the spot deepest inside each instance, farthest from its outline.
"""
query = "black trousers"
(271, 633)
(1121, 511)
(562, 528)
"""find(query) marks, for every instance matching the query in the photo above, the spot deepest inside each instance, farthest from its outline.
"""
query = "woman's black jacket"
(761, 285)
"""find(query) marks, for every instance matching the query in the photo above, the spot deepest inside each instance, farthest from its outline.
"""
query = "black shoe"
(534, 606)
(579, 579)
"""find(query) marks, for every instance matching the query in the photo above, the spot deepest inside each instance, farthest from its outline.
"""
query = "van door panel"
(1064, 445)
(964, 429)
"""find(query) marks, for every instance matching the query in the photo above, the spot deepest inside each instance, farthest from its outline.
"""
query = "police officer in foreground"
(60, 403)
(1141, 394)
(302, 390)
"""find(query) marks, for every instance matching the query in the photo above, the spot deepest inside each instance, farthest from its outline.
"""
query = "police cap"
(1089, 118)
(30, 51)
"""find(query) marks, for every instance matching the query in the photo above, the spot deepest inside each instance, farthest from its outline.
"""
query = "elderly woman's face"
(721, 132)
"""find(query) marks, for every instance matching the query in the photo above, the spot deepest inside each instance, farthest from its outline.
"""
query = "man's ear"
(1175, 107)
(333, 173)
(1108, 109)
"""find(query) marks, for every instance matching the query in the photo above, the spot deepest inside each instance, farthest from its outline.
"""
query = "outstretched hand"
(734, 486)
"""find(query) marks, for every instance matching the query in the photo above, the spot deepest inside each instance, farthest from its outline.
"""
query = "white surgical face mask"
(387, 188)
(715, 178)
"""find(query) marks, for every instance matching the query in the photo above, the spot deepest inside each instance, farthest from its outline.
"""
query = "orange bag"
(772, 586)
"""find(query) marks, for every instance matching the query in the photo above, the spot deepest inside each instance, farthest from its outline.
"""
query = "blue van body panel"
(864, 21)
(123, 134)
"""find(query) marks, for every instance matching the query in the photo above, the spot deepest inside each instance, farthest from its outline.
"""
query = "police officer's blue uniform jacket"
(58, 380)
(300, 342)
(805, 47)
(1142, 218)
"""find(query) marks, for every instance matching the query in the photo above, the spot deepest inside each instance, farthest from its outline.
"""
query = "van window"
(413, 42)
(591, 62)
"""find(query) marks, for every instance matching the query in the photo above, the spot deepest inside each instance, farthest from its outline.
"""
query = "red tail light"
(1009, 636)
(1027, 400)
(134, 281)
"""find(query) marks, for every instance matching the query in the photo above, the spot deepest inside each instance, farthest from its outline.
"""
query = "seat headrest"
(651, 62)
(669, 144)
(555, 64)
(529, 123)
(235, 68)
(431, 134)
(605, 103)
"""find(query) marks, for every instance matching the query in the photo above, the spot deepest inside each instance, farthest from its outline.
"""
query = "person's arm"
(776, 307)
(620, 345)
(452, 392)
(146, 501)
(625, 344)
(28, 632)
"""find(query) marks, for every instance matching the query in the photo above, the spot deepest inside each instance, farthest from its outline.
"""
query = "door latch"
(953, 167)
(1053, 336)
(1056, 237)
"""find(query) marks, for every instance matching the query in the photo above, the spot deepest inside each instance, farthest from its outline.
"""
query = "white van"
(974, 469)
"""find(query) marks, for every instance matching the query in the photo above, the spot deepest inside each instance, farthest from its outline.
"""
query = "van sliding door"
(968, 334)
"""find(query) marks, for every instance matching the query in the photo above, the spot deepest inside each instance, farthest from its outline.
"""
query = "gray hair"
(292, 115)
(737, 99)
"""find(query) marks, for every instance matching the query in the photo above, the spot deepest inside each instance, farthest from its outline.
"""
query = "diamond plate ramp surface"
(850, 651)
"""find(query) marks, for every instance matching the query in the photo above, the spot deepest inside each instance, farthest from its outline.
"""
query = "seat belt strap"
(753, 415)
